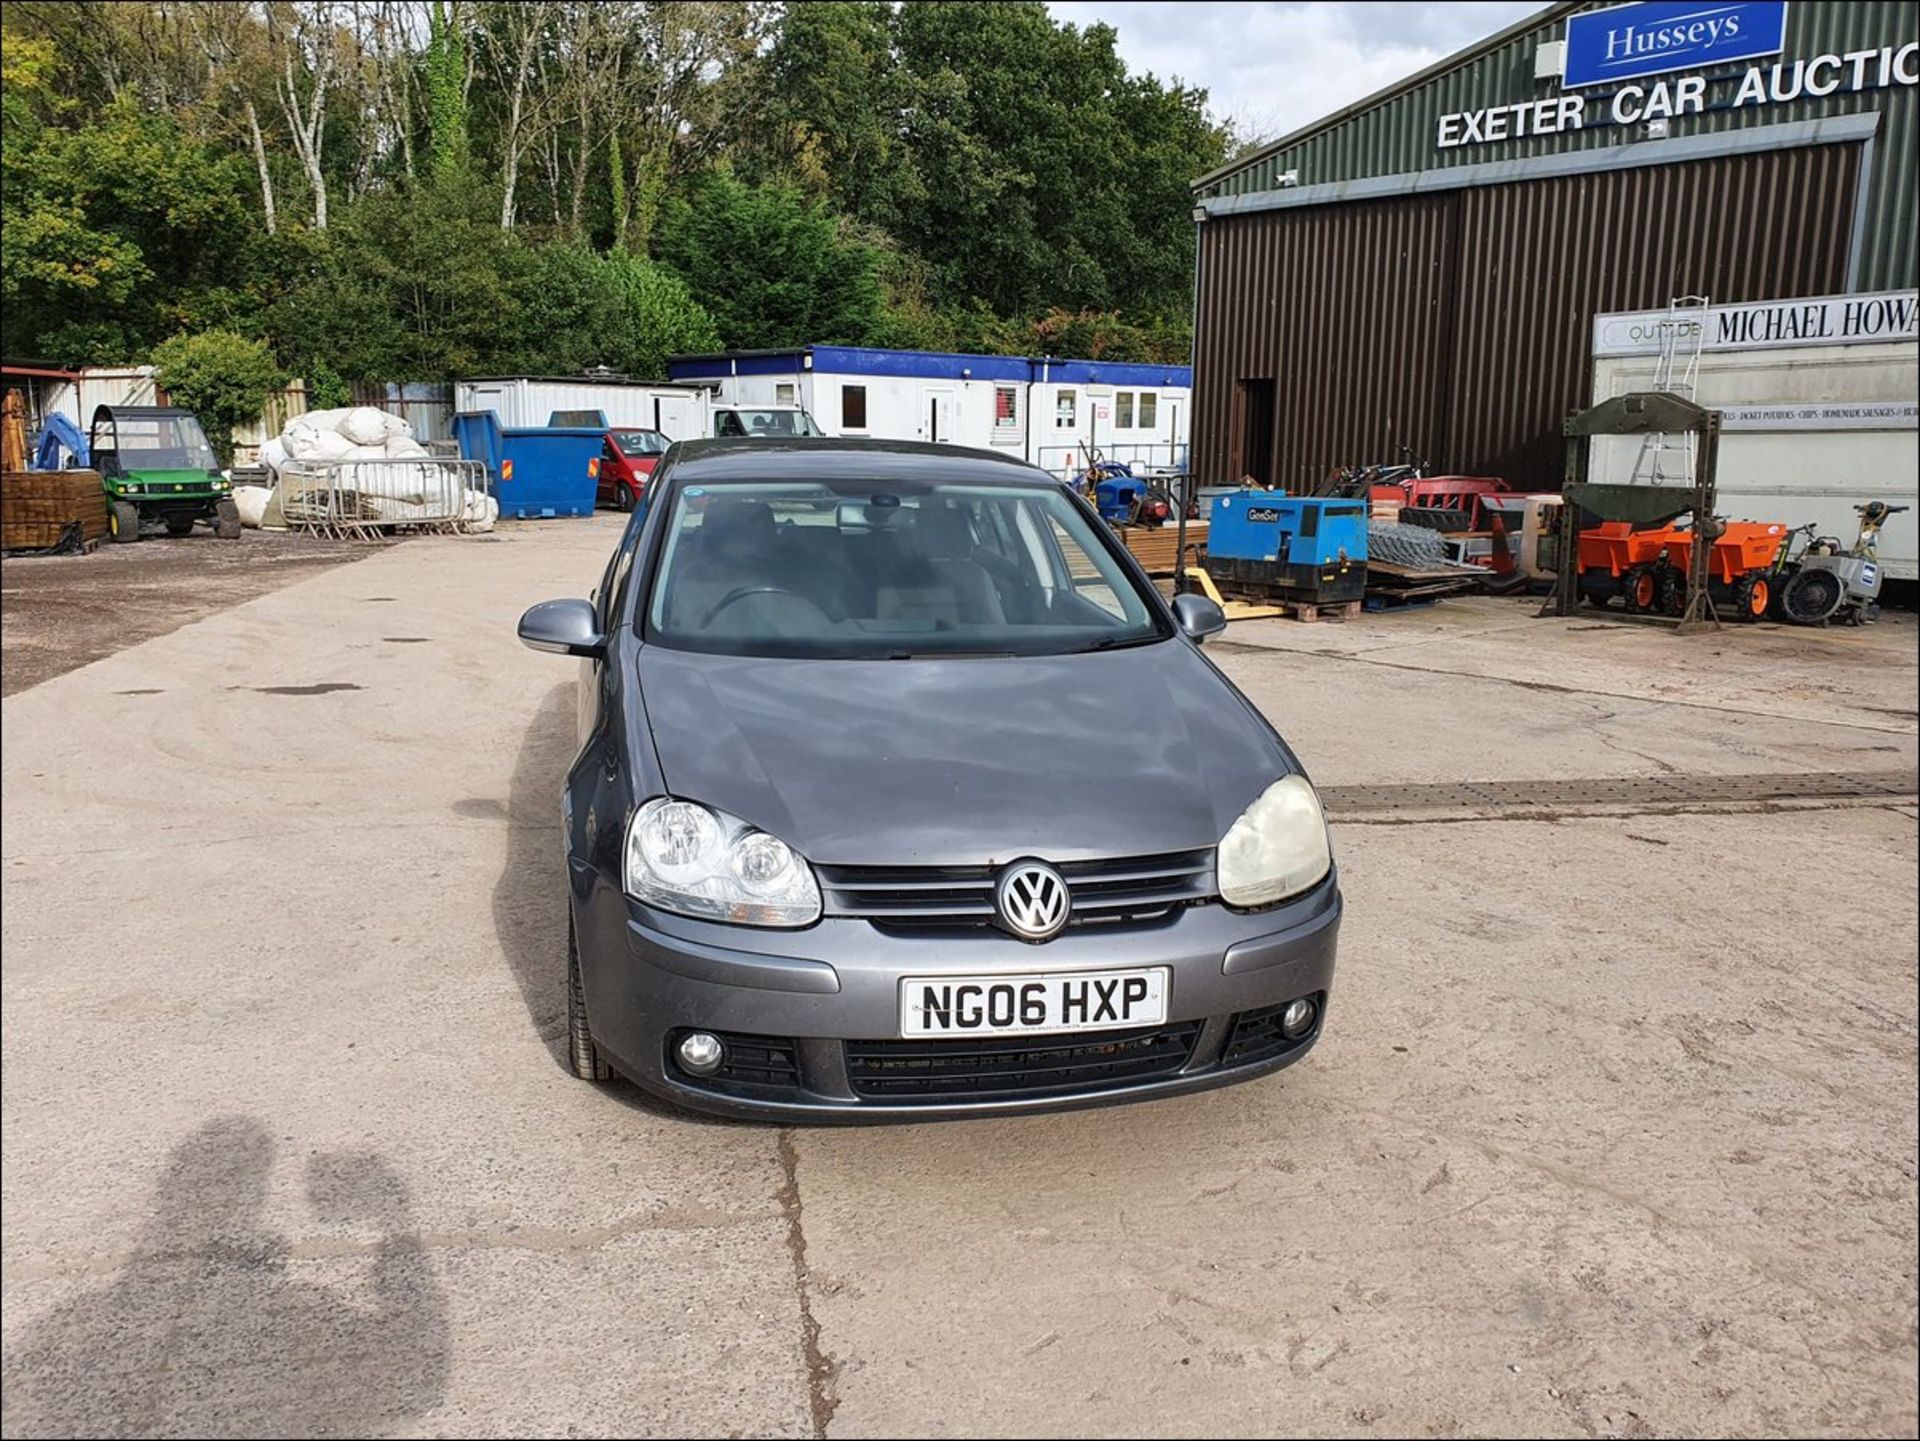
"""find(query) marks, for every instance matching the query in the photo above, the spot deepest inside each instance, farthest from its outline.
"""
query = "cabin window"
(1123, 410)
(1006, 407)
(1064, 410)
(785, 393)
(853, 407)
(1149, 403)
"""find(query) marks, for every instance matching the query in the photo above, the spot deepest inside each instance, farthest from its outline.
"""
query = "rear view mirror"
(564, 627)
(1198, 617)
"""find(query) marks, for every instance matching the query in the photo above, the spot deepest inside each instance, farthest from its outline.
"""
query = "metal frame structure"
(1642, 413)
(361, 499)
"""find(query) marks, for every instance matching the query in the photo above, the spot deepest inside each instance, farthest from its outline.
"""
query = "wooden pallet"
(1379, 600)
(1270, 607)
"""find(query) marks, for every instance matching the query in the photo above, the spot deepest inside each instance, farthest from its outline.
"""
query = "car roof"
(141, 412)
(795, 457)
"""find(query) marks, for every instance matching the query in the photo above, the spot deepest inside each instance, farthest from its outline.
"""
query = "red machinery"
(1459, 493)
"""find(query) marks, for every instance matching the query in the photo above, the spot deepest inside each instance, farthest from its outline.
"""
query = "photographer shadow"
(206, 1331)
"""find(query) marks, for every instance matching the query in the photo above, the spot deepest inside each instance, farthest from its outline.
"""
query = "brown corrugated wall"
(1460, 323)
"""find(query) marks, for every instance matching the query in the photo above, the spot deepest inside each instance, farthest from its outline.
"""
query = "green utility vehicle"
(155, 464)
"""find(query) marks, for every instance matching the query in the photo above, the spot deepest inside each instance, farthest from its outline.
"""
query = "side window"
(614, 588)
(1006, 408)
(853, 407)
(1065, 416)
(603, 592)
(783, 394)
(728, 423)
(1149, 403)
(1123, 410)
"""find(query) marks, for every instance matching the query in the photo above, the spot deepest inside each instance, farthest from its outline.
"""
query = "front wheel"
(1642, 589)
(123, 521)
(582, 1054)
(226, 520)
(1811, 596)
(1752, 595)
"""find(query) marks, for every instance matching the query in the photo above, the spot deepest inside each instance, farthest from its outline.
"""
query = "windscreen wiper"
(1114, 642)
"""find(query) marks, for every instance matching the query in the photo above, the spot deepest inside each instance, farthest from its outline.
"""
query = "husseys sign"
(1631, 44)
(1651, 39)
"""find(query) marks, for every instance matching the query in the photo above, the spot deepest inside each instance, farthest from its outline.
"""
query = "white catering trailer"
(1049, 411)
(1820, 408)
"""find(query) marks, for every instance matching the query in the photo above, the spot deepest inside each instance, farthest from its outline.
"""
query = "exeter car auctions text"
(1686, 95)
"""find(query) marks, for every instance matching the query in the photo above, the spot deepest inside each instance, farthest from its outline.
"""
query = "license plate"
(1032, 1005)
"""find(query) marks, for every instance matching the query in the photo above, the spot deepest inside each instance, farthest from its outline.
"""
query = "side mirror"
(1198, 617)
(565, 627)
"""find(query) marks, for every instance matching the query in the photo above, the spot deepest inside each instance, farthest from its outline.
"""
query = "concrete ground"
(61, 611)
(1612, 1132)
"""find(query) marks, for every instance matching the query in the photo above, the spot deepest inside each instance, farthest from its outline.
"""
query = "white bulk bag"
(365, 426)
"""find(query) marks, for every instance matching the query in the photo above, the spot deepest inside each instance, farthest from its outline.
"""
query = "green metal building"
(1422, 269)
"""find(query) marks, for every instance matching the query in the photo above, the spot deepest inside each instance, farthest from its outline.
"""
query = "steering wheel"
(744, 592)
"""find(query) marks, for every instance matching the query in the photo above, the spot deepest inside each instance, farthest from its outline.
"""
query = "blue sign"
(1651, 39)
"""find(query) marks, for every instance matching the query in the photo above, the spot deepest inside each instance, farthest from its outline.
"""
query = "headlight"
(1278, 847)
(699, 862)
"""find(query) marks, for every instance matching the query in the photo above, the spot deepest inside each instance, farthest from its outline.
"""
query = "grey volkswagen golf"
(902, 794)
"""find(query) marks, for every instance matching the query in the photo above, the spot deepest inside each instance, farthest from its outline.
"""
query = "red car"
(626, 460)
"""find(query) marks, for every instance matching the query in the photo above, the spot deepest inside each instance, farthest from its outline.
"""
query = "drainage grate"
(1688, 790)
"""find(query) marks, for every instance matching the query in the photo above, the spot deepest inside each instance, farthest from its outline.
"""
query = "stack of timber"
(38, 506)
(1157, 546)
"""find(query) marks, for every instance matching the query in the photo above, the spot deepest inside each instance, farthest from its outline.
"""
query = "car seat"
(940, 582)
(735, 545)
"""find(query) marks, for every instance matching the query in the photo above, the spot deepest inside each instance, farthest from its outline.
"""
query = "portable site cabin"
(1051, 412)
(678, 411)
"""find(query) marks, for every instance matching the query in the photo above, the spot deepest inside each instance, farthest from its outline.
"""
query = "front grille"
(1133, 888)
(1256, 1035)
(749, 1065)
(1007, 1068)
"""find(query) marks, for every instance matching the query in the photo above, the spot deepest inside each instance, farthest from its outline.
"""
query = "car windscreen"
(890, 570)
(640, 442)
(170, 442)
(766, 422)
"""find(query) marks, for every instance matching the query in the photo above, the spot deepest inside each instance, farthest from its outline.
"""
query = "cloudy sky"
(1271, 66)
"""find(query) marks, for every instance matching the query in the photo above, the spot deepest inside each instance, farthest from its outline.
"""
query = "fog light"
(701, 1053)
(1297, 1019)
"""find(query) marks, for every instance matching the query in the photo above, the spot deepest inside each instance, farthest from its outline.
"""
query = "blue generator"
(1311, 549)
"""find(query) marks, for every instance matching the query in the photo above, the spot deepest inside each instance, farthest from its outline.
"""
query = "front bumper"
(649, 976)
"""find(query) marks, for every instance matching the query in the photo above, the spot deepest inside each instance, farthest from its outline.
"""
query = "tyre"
(582, 1054)
(1810, 596)
(123, 521)
(1752, 594)
(1642, 589)
(179, 524)
(226, 520)
(1672, 582)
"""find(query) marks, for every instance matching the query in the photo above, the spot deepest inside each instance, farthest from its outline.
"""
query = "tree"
(419, 286)
(771, 267)
(233, 46)
(834, 95)
(448, 73)
(221, 377)
(510, 37)
(115, 233)
(308, 45)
